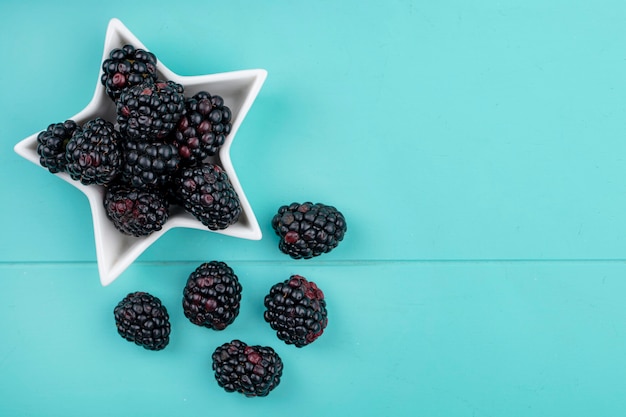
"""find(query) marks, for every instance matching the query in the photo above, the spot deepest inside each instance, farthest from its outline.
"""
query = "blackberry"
(307, 230)
(142, 319)
(296, 309)
(51, 144)
(149, 164)
(149, 111)
(135, 212)
(202, 130)
(206, 192)
(212, 295)
(251, 370)
(94, 153)
(126, 67)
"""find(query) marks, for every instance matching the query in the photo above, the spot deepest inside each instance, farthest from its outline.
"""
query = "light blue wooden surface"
(436, 339)
(476, 149)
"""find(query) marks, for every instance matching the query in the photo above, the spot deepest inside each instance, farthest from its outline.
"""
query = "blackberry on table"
(150, 111)
(202, 130)
(212, 296)
(135, 212)
(51, 144)
(141, 318)
(307, 230)
(126, 67)
(149, 164)
(206, 192)
(250, 370)
(296, 310)
(94, 153)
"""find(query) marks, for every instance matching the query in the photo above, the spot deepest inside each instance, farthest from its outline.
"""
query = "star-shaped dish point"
(115, 251)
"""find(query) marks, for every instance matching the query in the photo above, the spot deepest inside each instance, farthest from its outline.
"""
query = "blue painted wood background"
(477, 150)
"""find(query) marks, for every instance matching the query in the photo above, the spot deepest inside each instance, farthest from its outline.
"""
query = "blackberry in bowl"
(51, 145)
(150, 111)
(126, 67)
(149, 164)
(206, 192)
(203, 128)
(136, 212)
(94, 153)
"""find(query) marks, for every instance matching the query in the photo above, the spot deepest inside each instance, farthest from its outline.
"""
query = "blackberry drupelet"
(51, 144)
(202, 130)
(296, 310)
(251, 370)
(308, 230)
(206, 192)
(135, 212)
(150, 111)
(149, 164)
(142, 319)
(212, 296)
(126, 67)
(94, 153)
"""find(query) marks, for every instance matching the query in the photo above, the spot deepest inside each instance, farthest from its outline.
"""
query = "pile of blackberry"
(156, 154)
(159, 139)
(211, 298)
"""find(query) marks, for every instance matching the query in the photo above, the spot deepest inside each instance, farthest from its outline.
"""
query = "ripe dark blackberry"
(94, 153)
(135, 212)
(142, 319)
(150, 111)
(202, 130)
(206, 192)
(212, 295)
(251, 370)
(296, 309)
(126, 67)
(307, 230)
(149, 164)
(51, 144)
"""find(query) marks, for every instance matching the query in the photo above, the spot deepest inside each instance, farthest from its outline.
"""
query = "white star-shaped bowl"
(114, 250)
